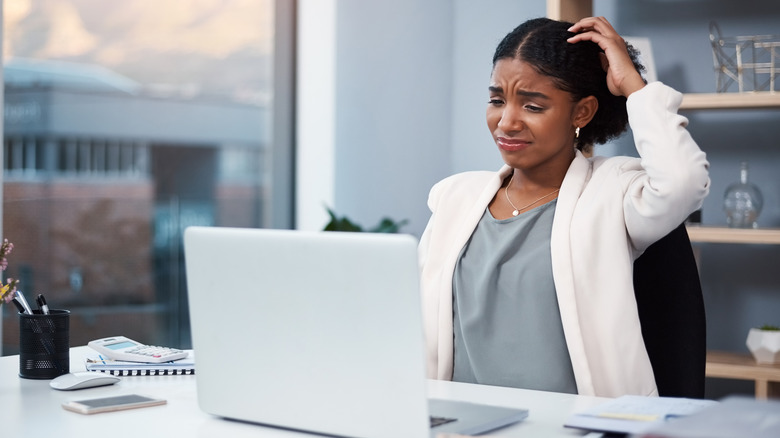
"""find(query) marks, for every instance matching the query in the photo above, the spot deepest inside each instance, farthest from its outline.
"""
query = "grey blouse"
(507, 324)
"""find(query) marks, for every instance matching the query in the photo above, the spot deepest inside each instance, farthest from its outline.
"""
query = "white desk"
(30, 408)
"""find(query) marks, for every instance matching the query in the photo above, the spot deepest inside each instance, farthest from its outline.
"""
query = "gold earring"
(577, 132)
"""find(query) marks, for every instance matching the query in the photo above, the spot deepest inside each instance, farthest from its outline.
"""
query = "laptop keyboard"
(438, 421)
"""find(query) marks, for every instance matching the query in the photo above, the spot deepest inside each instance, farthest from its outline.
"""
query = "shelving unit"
(732, 101)
(726, 365)
(719, 364)
(723, 364)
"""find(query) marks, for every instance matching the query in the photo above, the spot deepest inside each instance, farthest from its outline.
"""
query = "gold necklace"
(517, 210)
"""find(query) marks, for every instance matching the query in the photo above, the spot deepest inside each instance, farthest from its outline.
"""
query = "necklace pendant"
(515, 213)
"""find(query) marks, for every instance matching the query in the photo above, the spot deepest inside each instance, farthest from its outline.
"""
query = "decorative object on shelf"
(752, 61)
(764, 344)
(742, 201)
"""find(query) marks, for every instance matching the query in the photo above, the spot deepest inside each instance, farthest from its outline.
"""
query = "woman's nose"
(511, 120)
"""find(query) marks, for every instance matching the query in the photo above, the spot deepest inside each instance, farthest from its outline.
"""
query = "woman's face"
(532, 120)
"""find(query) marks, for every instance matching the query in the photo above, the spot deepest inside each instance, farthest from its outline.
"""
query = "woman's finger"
(599, 24)
(593, 29)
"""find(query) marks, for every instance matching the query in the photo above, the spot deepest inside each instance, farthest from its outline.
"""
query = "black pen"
(42, 304)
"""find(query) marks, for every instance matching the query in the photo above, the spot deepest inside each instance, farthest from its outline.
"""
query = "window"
(126, 122)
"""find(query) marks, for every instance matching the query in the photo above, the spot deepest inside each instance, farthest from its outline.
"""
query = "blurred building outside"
(100, 179)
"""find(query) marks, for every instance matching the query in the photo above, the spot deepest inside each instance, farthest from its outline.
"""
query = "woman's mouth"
(512, 145)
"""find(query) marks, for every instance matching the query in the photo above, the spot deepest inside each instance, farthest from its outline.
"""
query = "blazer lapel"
(560, 246)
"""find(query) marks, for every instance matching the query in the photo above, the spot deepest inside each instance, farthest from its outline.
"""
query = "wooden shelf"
(726, 365)
(753, 100)
(704, 234)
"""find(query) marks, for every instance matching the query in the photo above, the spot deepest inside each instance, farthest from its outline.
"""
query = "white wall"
(393, 107)
(378, 136)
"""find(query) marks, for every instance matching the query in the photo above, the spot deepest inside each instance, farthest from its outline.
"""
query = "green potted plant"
(764, 343)
(386, 225)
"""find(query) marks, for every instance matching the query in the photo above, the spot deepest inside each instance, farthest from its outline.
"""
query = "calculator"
(126, 349)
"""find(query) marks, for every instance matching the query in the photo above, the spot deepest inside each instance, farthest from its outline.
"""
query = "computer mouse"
(81, 380)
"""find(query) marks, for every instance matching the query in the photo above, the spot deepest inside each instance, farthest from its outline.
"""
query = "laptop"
(319, 332)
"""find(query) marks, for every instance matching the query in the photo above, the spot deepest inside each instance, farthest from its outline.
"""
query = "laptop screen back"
(318, 331)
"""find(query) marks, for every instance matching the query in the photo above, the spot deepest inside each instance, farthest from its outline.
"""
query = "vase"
(764, 345)
(742, 201)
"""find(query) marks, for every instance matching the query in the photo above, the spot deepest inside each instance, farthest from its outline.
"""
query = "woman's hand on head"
(622, 77)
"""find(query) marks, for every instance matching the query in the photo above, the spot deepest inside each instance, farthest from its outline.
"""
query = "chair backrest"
(671, 312)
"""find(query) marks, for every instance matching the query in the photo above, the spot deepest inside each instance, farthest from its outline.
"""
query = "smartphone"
(110, 404)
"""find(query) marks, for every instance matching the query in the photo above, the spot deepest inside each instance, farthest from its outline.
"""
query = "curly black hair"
(574, 68)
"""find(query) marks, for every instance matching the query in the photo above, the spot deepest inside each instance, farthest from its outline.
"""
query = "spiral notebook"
(179, 367)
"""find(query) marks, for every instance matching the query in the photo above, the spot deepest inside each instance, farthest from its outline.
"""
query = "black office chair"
(671, 312)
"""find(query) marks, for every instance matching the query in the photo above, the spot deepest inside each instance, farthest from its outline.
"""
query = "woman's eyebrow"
(532, 94)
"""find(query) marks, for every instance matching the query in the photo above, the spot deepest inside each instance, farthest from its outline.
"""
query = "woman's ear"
(584, 110)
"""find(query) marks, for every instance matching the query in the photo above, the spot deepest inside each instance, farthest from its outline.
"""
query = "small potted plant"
(764, 344)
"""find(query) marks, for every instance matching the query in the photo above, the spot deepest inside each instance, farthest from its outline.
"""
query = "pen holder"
(44, 344)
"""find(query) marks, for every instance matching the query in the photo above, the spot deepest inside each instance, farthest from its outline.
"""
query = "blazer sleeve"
(674, 176)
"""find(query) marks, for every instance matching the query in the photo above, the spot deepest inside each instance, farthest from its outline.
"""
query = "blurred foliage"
(386, 225)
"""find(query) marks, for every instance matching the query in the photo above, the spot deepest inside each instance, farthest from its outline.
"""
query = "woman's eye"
(495, 102)
(534, 108)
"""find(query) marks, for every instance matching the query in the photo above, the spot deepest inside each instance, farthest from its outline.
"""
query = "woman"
(527, 272)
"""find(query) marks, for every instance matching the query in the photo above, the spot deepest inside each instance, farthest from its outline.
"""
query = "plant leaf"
(387, 225)
(341, 224)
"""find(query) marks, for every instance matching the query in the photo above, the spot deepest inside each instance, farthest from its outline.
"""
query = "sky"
(195, 47)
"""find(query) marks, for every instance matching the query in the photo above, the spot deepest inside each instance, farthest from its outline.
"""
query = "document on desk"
(734, 416)
(632, 414)
(100, 363)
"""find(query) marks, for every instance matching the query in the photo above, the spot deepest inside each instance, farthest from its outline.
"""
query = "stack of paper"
(122, 368)
(734, 417)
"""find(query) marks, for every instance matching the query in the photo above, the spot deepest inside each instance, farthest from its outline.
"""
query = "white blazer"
(609, 211)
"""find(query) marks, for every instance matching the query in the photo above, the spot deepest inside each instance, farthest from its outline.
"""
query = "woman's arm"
(673, 178)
